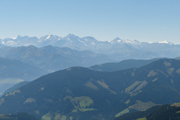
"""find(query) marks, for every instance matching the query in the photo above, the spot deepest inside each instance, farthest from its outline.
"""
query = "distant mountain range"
(117, 49)
(83, 94)
(51, 58)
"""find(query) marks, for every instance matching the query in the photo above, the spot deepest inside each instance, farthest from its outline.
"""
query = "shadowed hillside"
(80, 93)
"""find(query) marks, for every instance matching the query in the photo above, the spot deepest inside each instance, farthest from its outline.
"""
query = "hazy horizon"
(145, 21)
(94, 37)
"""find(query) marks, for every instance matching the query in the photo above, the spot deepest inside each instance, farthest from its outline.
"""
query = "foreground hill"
(14, 71)
(79, 93)
(52, 58)
(125, 64)
(160, 112)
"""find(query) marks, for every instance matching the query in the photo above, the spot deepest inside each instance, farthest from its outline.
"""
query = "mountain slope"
(161, 112)
(125, 64)
(14, 87)
(80, 93)
(17, 116)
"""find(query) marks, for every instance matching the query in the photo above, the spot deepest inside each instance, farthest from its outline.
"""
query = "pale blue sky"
(143, 20)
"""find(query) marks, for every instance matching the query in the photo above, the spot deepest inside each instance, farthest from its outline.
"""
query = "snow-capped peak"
(118, 40)
(48, 36)
(14, 38)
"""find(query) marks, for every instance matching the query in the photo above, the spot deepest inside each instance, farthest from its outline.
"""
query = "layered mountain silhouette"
(51, 58)
(109, 67)
(14, 71)
(80, 93)
(118, 49)
(11, 68)
(125, 64)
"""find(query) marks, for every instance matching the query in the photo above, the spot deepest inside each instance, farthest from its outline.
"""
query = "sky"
(142, 20)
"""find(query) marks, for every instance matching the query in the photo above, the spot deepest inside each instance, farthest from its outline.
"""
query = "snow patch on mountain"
(14, 38)
(81, 41)
(163, 42)
(3, 42)
(93, 43)
(121, 41)
(48, 36)
(11, 43)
